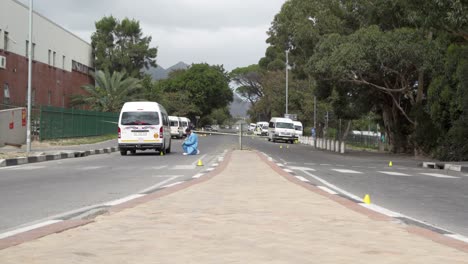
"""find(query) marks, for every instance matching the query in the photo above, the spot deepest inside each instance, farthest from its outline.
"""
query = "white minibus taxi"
(142, 126)
(281, 129)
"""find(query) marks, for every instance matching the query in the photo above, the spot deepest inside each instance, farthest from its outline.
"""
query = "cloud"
(229, 32)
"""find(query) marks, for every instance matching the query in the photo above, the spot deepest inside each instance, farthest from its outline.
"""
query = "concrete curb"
(55, 156)
(437, 234)
(445, 166)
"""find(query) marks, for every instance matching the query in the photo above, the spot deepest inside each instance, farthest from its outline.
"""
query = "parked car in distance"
(252, 127)
(299, 128)
(261, 129)
(176, 128)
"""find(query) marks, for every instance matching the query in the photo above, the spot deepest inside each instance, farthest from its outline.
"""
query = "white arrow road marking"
(437, 175)
(347, 171)
(394, 173)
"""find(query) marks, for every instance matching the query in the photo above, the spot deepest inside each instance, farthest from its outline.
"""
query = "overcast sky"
(228, 32)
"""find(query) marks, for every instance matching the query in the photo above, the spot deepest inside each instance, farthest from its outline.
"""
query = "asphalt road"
(35, 192)
(437, 197)
(29, 193)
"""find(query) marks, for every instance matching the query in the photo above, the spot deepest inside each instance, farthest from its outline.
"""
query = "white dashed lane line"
(347, 171)
(437, 175)
(394, 173)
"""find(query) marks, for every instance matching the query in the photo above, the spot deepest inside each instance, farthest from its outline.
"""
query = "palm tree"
(109, 93)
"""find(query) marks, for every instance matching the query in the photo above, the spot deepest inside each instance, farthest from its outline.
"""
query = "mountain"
(238, 107)
(158, 73)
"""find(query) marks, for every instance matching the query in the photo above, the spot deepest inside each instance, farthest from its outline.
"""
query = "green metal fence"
(68, 123)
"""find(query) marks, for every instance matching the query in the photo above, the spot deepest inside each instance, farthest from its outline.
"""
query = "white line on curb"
(28, 228)
(458, 237)
(159, 184)
(302, 179)
(288, 170)
(327, 190)
(172, 184)
(196, 176)
(123, 200)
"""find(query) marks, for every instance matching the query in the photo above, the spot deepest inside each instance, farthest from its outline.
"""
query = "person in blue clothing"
(190, 144)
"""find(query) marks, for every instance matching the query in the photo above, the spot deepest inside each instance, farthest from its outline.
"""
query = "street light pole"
(287, 65)
(30, 44)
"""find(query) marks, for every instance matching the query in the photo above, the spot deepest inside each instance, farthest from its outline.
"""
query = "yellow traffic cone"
(281, 146)
(287, 146)
(390, 164)
(161, 153)
(200, 163)
(367, 199)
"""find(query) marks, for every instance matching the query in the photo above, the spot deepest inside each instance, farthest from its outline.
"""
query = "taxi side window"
(272, 125)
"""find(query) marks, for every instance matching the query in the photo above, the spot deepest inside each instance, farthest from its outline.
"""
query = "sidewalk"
(249, 213)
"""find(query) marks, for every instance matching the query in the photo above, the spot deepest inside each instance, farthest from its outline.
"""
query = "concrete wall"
(12, 126)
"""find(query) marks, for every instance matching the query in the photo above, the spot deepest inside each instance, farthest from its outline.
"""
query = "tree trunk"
(346, 132)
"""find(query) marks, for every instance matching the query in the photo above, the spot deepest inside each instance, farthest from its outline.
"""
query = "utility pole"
(287, 65)
(315, 112)
(30, 44)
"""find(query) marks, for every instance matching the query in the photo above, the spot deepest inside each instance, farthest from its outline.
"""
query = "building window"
(53, 58)
(63, 62)
(50, 53)
(5, 41)
(27, 48)
(33, 50)
(49, 97)
(6, 94)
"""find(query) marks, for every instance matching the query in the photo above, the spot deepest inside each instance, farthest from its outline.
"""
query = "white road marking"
(285, 162)
(200, 158)
(158, 167)
(215, 165)
(347, 171)
(23, 167)
(196, 176)
(381, 210)
(184, 167)
(279, 164)
(302, 179)
(339, 165)
(394, 173)
(333, 186)
(28, 228)
(91, 168)
(310, 164)
(325, 164)
(123, 200)
(458, 237)
(288, 170)
(159, 184)
(172, 184)
(437, 175)
(327, 190)
(301, 168)
(210, 169)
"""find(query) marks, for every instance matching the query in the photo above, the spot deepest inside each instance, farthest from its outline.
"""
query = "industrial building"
(61, 61)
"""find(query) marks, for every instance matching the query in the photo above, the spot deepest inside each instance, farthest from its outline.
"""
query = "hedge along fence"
(58, 122)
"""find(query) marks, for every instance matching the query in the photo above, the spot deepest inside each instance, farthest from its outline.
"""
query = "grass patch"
(80, 141)
(362, 147)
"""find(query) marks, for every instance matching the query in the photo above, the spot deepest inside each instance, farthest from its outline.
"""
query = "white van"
(281, 129)
(299, 129)
(142, 126)
(176, 128)
(261, 129)
(184, 123)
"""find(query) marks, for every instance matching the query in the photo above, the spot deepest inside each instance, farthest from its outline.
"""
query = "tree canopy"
(120, 46)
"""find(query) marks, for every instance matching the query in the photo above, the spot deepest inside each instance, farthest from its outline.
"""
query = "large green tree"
(197, 91)
(121, 46)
